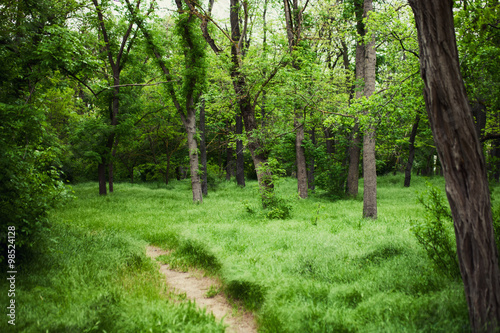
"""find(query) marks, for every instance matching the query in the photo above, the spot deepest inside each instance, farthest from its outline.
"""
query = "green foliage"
(435, 233)
(278, 207)
(275, 206)
(30, 182)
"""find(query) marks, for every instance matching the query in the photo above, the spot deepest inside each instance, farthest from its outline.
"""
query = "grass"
(83, 280)
(325, 269)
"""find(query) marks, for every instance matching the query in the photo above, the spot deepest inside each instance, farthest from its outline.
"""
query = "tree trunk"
(330, 142)
(240, 159)
(310, 174)
(354, 157)
(495, 163)
(167, 171)
(247, 109)
(463, 163)
(369, 160)
(101, 171)
(190, 125)
(356, 137)
(300, 156)
(229, 163)
(411, 153)
(203, 150)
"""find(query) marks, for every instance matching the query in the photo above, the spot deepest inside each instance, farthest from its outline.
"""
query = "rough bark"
(411, 151)
(369, 160)
(463, 163)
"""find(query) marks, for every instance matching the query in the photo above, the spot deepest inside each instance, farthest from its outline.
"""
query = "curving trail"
(195, 286)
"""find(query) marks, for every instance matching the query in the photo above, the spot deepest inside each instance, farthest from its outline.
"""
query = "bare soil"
(195, 285)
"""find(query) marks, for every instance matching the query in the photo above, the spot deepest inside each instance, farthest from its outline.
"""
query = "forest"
(333, 165)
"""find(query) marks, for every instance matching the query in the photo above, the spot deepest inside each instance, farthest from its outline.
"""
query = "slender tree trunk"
(310, 174)
(167, 171)
(247, 109)
(463, 163)
(356, 136)
(330, 142)
(354, 157)
(293, 20)
(411, 153)
(203, 150)
(190, 125)
(240, 159)
(101, 171)
(300, 156)
(229, 163)
(369, 160)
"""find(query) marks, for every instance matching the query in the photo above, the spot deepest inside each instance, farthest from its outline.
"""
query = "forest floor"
(196, 285)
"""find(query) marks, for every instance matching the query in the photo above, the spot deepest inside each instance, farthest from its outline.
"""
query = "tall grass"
(324, 270)
(84, 280)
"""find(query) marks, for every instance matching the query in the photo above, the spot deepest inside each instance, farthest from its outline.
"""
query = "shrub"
(435, 232)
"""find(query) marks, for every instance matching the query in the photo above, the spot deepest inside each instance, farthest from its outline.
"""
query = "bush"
(277, 207)
(435, 232)
(30, 181)
(332, 180)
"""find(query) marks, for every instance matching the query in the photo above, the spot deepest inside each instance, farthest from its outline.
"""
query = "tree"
(294, 26)
(463, 163)
(30, 151)
(369, 160)
(189, 92)
(116, 63)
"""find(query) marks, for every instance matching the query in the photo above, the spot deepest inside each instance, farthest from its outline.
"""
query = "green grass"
(323, 270)
(80, 280)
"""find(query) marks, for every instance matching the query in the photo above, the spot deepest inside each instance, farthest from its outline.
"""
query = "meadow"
(325, 269)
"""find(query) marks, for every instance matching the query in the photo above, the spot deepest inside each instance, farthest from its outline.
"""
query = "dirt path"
(195, 285)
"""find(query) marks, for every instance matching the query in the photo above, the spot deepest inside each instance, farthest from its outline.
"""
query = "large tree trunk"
(463, 163)
(411, 152)
(369, 161)
(240, 160)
